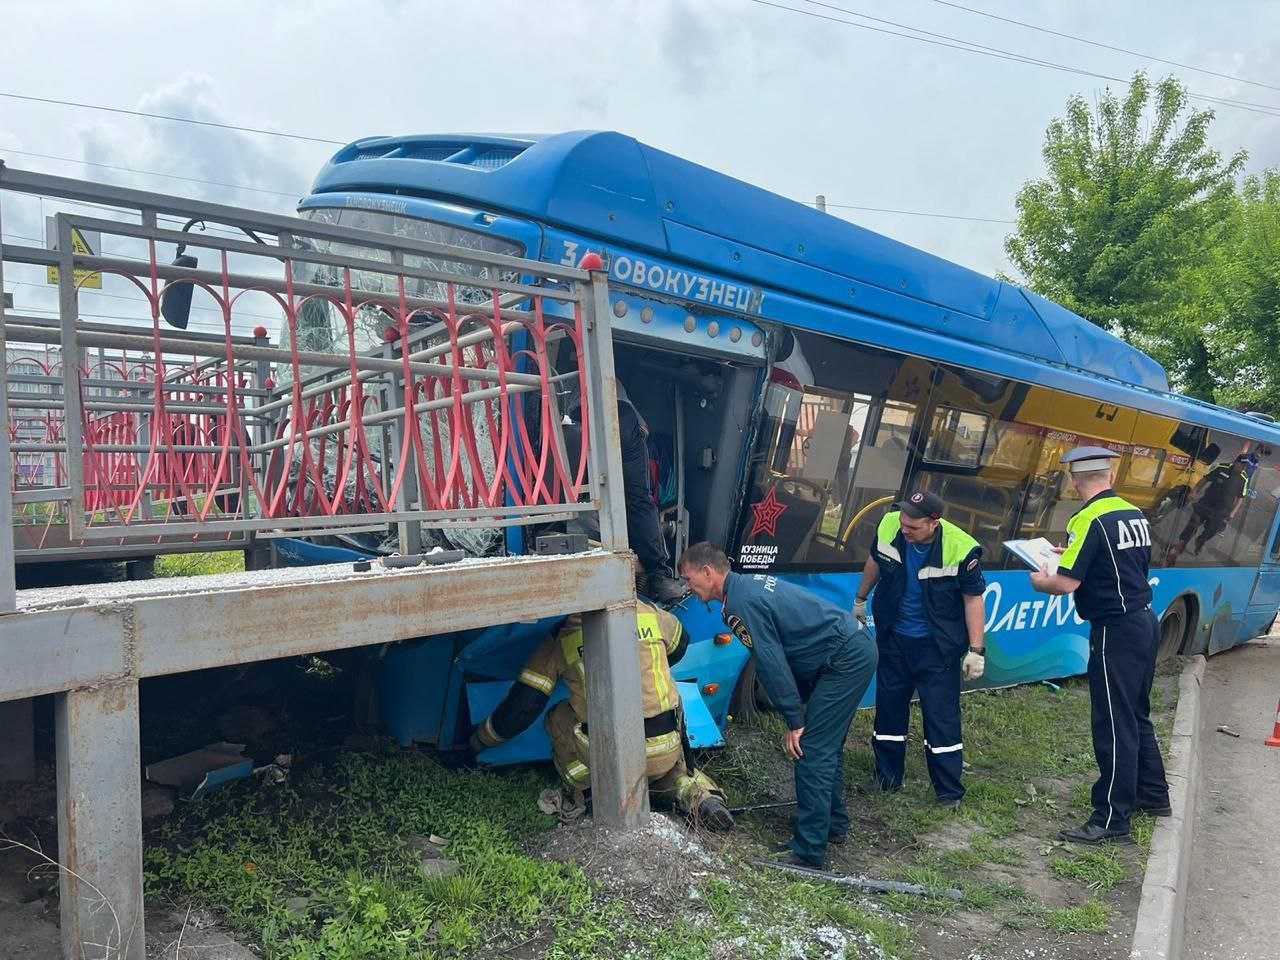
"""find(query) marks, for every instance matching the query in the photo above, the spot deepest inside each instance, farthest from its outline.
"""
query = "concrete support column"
(615, 717)
(100, 821)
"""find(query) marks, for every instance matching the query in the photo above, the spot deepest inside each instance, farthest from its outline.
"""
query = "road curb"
(1157, 935)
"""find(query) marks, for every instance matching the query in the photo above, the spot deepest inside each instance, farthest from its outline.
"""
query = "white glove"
(860, 611)
(974, 665)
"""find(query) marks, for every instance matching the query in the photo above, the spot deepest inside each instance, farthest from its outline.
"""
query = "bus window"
(1232, 504)
(957, 437)
(831, 454)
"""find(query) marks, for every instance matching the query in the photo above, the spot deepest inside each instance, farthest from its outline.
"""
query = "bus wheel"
(1172, 629)
(749, 699)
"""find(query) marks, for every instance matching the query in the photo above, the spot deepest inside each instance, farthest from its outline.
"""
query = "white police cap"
(1089, 459)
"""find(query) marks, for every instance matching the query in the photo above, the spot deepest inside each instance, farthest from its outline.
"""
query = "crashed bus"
(800, 373)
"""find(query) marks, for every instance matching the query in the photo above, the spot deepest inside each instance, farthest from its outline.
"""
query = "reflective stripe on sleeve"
(538, 681)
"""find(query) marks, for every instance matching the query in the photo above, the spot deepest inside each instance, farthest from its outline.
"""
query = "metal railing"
(410, 382)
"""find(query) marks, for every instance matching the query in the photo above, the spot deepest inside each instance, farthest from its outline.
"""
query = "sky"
(788, 101)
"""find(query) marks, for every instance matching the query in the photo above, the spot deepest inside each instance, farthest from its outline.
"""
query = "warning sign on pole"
(83, 243)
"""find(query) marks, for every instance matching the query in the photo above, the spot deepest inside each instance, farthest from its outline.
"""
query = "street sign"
(83, 243)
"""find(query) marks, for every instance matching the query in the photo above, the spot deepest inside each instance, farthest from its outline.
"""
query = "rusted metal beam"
(75, 636)
(100, 822)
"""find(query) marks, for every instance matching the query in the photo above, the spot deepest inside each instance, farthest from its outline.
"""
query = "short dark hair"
(703, 554)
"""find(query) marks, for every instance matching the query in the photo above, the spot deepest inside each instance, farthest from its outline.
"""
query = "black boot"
(1092, 833)
(714, 815)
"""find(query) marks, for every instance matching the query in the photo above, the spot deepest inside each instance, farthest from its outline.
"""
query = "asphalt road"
(1235, 862)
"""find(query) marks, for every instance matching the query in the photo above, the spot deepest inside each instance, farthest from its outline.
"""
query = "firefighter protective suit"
(671, 775)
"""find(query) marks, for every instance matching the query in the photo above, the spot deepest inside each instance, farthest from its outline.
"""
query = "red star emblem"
(767, 512)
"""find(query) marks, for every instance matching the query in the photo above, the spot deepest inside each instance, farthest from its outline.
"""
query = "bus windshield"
(321, 326)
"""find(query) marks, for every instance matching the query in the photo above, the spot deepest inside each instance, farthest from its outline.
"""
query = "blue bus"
(800, 373)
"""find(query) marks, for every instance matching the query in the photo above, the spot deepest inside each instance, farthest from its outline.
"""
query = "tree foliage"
(1133, 204)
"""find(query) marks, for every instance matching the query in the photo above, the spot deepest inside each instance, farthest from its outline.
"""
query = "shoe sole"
(1124, 838)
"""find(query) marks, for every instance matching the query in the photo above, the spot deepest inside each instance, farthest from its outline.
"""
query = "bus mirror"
(175, 302)
(1209, 455)
(786, 345)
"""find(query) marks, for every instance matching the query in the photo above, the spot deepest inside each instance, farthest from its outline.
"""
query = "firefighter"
(815, 664)
(1105, 566)
(668, 760)
(927, 575)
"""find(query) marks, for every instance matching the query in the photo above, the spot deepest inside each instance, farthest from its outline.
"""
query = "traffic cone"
(1274, 739)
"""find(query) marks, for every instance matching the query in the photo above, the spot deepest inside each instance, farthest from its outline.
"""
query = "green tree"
(1131, 203)
(1244, 336)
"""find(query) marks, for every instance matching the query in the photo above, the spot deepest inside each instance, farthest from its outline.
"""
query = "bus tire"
(1173, 631)
(749, 699)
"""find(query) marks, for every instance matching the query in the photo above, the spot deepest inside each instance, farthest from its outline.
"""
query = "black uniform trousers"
(909, 664)
(832, 703)
(1122, 662)
(644, 532)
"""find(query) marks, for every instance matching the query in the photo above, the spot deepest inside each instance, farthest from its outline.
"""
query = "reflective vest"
(953, 555)
(657, 633)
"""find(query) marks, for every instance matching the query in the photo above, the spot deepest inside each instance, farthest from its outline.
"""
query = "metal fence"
(402, 382)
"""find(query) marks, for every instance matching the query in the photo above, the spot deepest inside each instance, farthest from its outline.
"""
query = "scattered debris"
(431, 856)
(1223, 728)
(298, 906)
(752, 808)
(552, 801)
(157, 801)
(867, 884)
(201, 770)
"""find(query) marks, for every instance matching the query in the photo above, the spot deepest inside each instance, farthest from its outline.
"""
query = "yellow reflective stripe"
(1078, 526)
(663, 743)
(577, 773)
(581, 736)
(491, 735)
(537, 680)
(649, 628)
(956, 544)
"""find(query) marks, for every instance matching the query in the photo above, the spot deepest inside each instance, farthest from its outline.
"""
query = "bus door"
(1264, 601)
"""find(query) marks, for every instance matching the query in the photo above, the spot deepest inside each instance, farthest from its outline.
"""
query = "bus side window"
(831, 455)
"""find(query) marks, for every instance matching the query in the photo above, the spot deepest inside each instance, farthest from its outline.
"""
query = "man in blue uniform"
(815, 663)
(927, 576)
(1105, 565)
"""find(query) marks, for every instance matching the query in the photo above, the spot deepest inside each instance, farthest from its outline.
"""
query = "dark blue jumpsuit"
(815, 662)
(1110, 554)
(931, 664)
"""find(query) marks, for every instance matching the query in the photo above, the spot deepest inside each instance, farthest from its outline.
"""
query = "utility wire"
(163, 116)
(1105, 46)
(997, 53)
(911, 213)
(152, 173)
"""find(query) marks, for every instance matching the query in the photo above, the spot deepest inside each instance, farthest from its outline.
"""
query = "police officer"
(927, 576)
(1105, 565)
(815, 664)
(668, 761)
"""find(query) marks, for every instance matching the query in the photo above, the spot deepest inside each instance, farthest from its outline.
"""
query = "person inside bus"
(644, 529)
(927, 577)
(1216, 500)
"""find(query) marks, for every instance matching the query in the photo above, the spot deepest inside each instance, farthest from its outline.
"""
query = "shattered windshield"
(321, 326)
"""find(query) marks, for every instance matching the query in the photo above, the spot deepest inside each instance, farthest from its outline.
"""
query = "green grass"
(1097, 869)
(1090, 917)
(196, 564)
(334, 833)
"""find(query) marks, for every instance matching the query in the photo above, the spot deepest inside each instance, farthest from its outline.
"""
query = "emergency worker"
(815, 663)
(927, 577)
(1105, 566)
(644, 529)
(1216, 500)
(668, 761)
